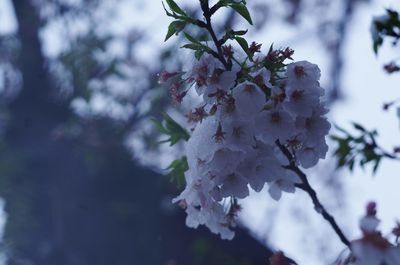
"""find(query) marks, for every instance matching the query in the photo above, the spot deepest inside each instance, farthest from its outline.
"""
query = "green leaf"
(351, 165)
(240, 32)
(377, 162)
(190, 38)
(392, 14)
(196, 47)
(335, 137)
(271, 48)
(377, 43)
(171, 128)
(198, 54)
(166, 11)
(243, 43)
(175, 128)
(359, 127)
(175, 27)
(159, 126)
(177, 170)
(174, 7)
(193, 46)
(225, 2)
(243, 11)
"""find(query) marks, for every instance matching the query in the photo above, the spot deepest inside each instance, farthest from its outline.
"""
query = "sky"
(291, 224)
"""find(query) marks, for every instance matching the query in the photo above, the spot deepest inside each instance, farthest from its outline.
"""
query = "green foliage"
(230, 34)
(242, 10)
(176, 132)
(386, 26)
(182, 18)
(239, 7)
(177, 170)
(174, 28)
(175, 8)
(171, 128)
(361, 149)
(243, 43)
(377, 43)
(195, 45)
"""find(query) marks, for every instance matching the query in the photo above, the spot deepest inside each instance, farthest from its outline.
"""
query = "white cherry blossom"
(303, 72)
(233, 145)
(249, 99)
(274, 125)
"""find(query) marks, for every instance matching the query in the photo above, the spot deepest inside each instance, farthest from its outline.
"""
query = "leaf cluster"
(177, 170)
(196, 45)
(182, 19)
(361, 149)
(238, 6)
(389, 27)
(172, 129)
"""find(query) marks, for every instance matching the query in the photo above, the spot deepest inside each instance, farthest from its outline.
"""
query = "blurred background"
(82, 176)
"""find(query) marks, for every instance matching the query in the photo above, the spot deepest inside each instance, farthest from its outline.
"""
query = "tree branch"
(305, 186)
(207, 13)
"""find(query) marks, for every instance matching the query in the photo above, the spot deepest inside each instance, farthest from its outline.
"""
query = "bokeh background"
(82, 176)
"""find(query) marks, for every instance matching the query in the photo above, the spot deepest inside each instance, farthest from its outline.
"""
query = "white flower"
(233, 184)
(239, 134)
(301, 100)
(376, 252)
(212, 216)
(262, 78)
(196, 190)
(216, 221)
(286, 182)
(201, 70)
(273, 125)
(369, 223)
(249, 99)
(233, 146)
(309, 155)
(314, 128)
(260, 167)
(227, 110)
(373, 248)
(202, 145)
(219, 81)
(212, 140)
(304, 72)
(223, 162)
(194, 217)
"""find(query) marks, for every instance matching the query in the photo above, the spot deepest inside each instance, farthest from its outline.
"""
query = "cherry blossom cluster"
(373, 248)
(246, 111)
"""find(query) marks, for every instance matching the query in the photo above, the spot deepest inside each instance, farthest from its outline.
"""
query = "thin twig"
(305, 186)
(207, 15)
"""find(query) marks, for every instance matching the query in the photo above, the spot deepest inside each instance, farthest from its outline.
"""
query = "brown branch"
(207, 13)
(305, 186)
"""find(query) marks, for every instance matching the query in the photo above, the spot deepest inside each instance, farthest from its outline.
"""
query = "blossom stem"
(305, 186)
(207, 13)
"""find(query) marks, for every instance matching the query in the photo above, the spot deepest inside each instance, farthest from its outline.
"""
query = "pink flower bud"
(371, 209)
(164, 76)
(227, 51)
(299, 71)
(254, 47)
